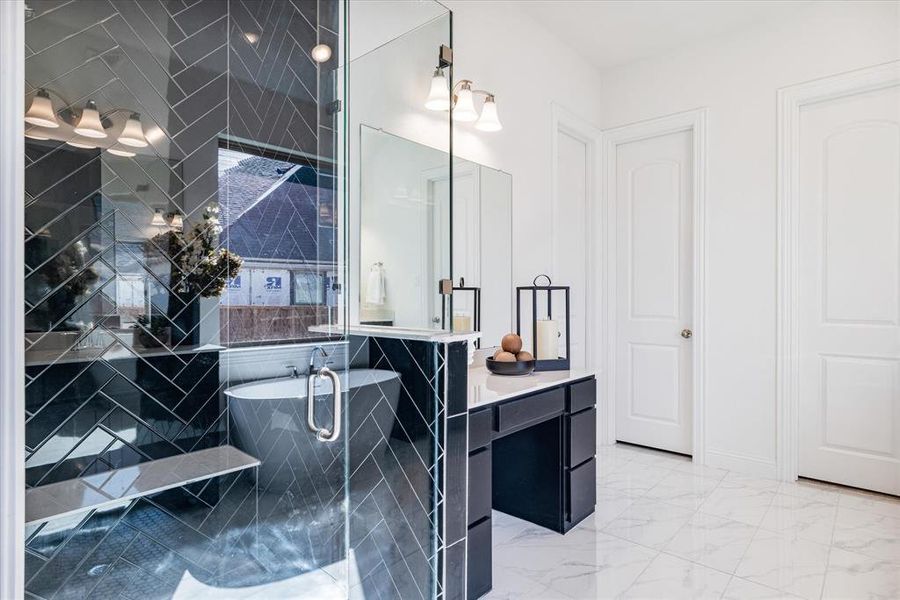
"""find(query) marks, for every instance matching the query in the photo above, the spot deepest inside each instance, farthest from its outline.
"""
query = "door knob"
(687, 334)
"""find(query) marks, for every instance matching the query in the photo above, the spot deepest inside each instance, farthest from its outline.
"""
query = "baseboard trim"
(741, 463)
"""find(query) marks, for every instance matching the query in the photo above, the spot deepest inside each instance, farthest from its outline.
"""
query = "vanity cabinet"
(533, 457)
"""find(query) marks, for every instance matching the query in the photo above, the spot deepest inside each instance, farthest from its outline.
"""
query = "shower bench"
(110, 488)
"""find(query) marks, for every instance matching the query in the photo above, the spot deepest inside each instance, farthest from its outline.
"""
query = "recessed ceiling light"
(321, 53)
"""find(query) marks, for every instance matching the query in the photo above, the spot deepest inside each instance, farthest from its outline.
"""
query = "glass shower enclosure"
(195, 407)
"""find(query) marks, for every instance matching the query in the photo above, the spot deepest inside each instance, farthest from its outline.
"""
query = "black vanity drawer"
(479, 485)
(582, 437)
(582, 395)
(480, 425)
(526, 410)
(582, 490)
(479, 560)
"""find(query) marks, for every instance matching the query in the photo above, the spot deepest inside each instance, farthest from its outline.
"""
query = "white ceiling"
(609, 33)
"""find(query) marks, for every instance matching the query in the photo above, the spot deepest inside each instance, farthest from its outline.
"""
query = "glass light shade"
(33, 133)
(133, 132)
(41, 111)
(321, 53)
(464, 109)
(84, 145)
(121, 152)
(439, 94)
(158, 219)
(489, 121)
(89, 124)
(177, 221)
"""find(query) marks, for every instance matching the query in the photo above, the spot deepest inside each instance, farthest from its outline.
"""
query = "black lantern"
(476, 303)
(547, 329)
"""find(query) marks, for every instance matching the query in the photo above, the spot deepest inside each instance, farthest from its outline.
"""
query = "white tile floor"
(667, 529)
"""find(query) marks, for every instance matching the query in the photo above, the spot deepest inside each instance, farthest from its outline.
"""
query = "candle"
(462, 322)
(547, 339)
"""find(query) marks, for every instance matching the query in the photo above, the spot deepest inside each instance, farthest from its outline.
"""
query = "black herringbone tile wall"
(100, 397)
(395, 458)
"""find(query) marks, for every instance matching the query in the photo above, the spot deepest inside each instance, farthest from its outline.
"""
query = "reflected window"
(277, 213)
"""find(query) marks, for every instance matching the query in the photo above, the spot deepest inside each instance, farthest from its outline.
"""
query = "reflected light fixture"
(82, 145)
(177, 221)
(41, 111)
(439, 94)
(89, 124)
(133, 132)
(251, 37)
(489, 121)
(321, 53)
(121, 152)
(158, 219)
(33, 133)
(464, 107)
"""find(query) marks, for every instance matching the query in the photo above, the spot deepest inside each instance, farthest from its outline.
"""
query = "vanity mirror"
(405, 241)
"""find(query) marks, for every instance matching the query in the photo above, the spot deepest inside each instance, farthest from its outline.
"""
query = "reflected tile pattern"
(665, 528)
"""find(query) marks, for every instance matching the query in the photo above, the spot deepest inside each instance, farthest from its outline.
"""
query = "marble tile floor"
(666, 529)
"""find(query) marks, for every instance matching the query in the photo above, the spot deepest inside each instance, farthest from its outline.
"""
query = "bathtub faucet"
(312, 358)
(295, 373)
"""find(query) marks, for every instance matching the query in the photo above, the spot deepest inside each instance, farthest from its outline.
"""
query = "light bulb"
(41, 111)
(133, 132)
(121, 152)
(464, 109)
(321, 53)
(158, 219)
(439, 95)
(489, 121)
(89, 124)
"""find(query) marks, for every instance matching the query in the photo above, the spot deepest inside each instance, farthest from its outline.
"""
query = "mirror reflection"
(406, 231)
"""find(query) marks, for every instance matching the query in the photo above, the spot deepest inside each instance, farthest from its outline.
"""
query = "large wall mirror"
(405, 234)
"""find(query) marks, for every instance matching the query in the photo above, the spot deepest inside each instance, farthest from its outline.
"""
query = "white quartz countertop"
(486, 388)
(424, 335)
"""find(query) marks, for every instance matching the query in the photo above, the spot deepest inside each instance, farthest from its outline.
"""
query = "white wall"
(502, 50)
(736, 77)
(528, 68)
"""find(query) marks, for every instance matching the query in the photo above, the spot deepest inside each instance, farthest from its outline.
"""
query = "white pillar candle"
(462, 322)
(547, 339)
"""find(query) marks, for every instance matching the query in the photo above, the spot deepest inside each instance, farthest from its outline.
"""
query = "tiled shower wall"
(198, 72)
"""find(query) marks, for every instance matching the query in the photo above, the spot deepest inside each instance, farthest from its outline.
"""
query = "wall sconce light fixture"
(462, 102)
(158, 219)
(41, 111)
(89, 123)
(177, 221)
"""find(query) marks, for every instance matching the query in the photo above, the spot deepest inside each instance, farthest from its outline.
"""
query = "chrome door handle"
(687, 334)
(323, 434)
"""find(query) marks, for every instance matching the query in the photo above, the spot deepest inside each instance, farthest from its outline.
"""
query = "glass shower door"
(183, 279)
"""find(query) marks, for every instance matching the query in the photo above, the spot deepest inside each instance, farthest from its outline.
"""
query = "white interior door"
(653, 194)
(849, 176)
(571, 250)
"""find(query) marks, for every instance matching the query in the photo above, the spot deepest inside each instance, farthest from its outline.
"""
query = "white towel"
(375, 290)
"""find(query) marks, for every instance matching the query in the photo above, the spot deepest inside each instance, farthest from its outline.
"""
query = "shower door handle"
(323, 434)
